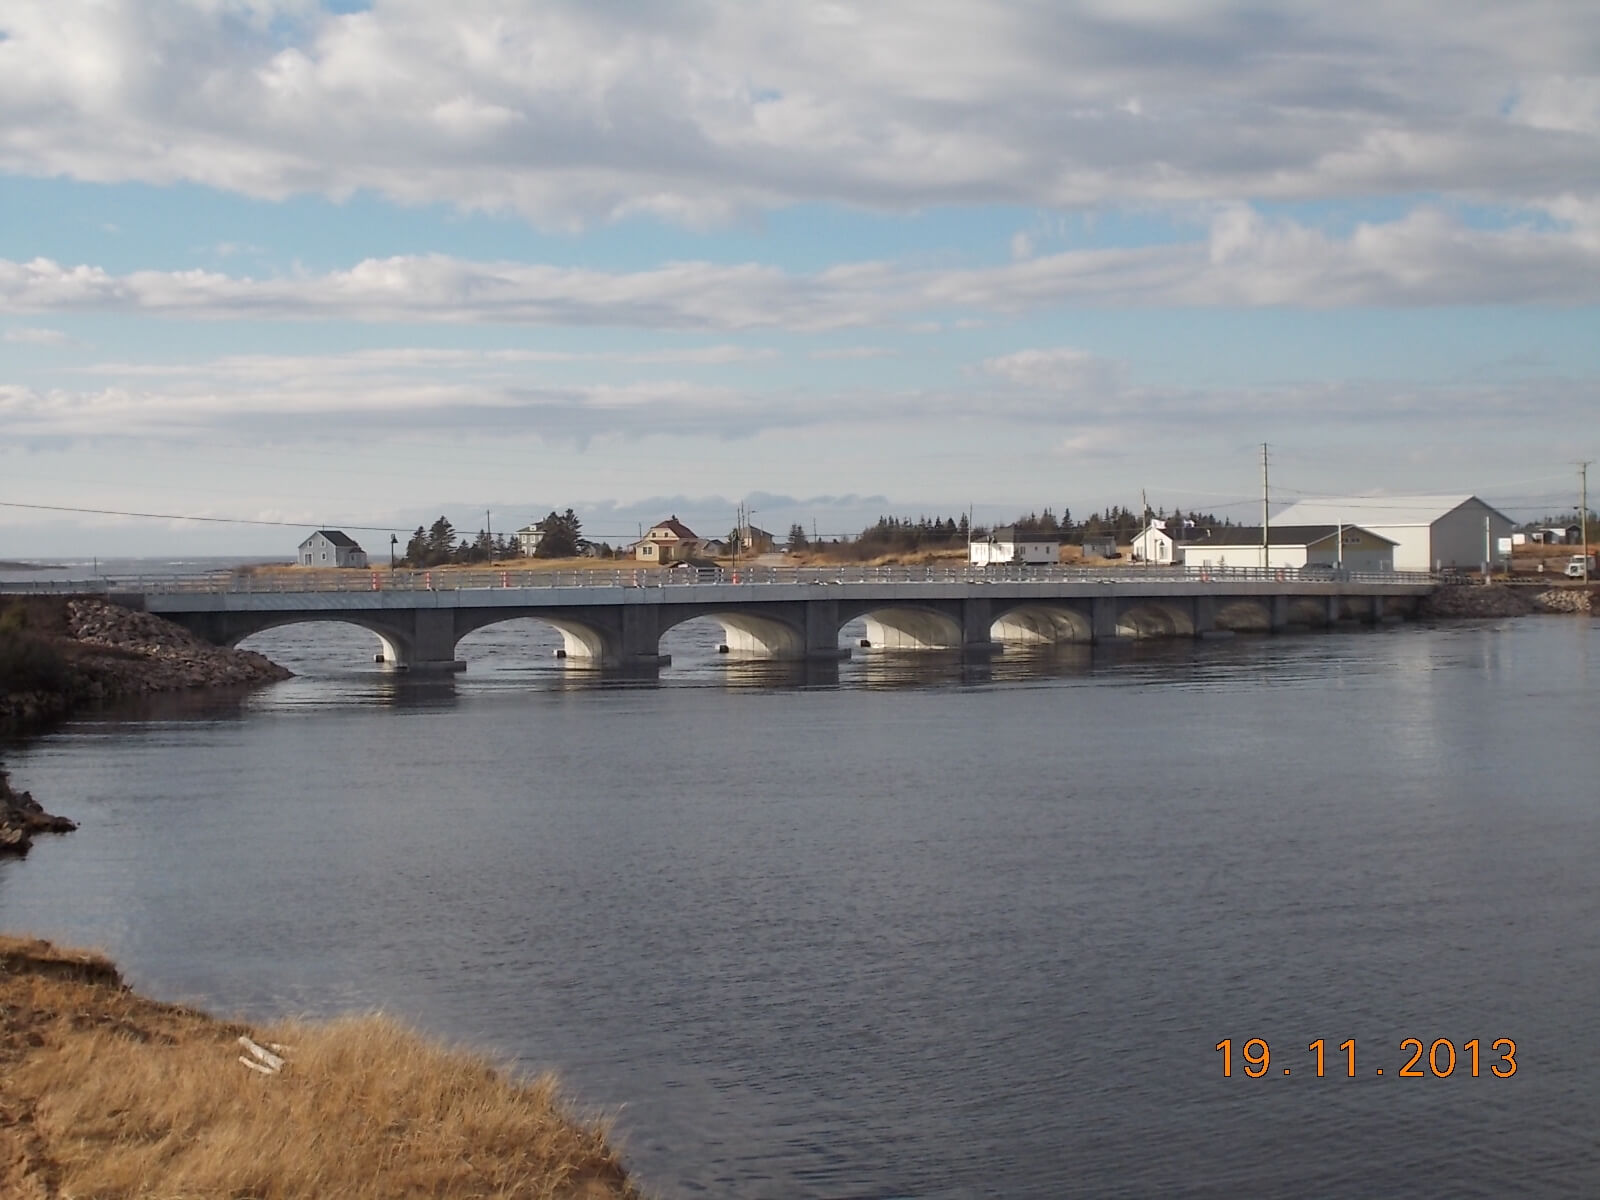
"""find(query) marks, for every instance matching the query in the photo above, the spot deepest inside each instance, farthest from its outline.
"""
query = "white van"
(1575, 566)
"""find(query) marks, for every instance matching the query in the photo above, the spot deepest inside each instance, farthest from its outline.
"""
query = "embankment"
(59, 655)
(105, 1093)
(1503, 600)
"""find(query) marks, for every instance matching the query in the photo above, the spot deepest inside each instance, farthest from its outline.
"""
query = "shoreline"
(69, 654)
(109, 1093)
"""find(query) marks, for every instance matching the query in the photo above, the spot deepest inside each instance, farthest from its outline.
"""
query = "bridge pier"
(433, 642)
(977, 624)
(1103, 614)
(641, 638)
(822, 623)
(1278, 614)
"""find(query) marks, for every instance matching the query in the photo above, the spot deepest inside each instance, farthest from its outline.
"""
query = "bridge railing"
(290, 581)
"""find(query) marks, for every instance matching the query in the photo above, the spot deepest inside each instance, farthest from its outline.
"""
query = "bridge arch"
(1155, 618)
(394, 643)
(1035, 624)
(581, 641)
(750, 634)
(909, 627)
(1309, 610)
(1244, 614)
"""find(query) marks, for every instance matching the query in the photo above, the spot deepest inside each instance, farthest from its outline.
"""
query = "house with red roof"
(667, 542)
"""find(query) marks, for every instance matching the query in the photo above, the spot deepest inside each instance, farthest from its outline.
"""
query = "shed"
(1099, 545)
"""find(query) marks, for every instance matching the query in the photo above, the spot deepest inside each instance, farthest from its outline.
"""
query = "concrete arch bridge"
(617, 618)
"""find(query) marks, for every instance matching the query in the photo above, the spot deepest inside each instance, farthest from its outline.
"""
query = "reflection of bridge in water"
(617, 618)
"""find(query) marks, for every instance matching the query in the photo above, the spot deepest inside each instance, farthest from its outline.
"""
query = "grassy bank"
(104, 1093)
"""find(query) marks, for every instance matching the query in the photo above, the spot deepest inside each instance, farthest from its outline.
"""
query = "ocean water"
(908, 926)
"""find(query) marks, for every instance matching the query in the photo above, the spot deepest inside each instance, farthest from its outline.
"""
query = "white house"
(1429, 532)
(1155, 545)
(1006, 545)
(1291, 547)
(331, 548)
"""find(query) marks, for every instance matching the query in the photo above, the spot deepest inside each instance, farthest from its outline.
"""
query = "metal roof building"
(1429, 532)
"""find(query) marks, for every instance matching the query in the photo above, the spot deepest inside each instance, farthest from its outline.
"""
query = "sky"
(360, 265)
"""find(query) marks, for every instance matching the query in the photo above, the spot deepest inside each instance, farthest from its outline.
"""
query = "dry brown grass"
(105, 1094)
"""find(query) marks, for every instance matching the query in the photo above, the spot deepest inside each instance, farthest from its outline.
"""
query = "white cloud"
(1425, 258)
(1060, 369)
(35, 337)
(847, 353)
(695, 109)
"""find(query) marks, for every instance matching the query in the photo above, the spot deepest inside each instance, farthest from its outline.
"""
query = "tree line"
(561, 536)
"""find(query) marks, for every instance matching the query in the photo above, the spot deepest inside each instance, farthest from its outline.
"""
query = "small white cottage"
(1006, 545)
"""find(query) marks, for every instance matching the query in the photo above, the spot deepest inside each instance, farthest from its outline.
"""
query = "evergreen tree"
(441, 543)
(561, 534)
(797, 537)
(417, 549)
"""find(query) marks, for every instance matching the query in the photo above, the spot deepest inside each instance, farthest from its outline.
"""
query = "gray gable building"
(331, 548)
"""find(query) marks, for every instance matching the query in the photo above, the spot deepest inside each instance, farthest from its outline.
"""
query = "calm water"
(907, 930)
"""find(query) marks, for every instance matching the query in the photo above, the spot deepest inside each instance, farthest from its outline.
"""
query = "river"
(908, 927)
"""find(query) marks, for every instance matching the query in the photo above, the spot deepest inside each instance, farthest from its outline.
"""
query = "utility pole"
(489, 549)
(1266, 521)
(1583, 514)
(1144, 516)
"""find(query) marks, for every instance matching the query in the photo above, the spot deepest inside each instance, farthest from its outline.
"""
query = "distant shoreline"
(6, 565)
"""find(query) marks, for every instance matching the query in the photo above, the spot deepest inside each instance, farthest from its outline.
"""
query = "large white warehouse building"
(1429, 532)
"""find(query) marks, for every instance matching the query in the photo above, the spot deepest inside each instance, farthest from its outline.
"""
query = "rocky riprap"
(143, 654)
(104, 653)
(1502, 600)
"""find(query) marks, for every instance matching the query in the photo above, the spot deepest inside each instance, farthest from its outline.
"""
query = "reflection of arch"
(906, 628)
(394, 644)
(751, 635)
(1244, 615)
(1152, 618)
(1041, 624)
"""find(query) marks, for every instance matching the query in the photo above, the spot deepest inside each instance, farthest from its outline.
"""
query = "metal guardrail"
(351, 580)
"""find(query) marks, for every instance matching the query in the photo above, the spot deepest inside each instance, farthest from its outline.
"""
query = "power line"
(113, 512)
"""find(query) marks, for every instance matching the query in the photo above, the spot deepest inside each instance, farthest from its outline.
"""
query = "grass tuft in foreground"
(106, 1094)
